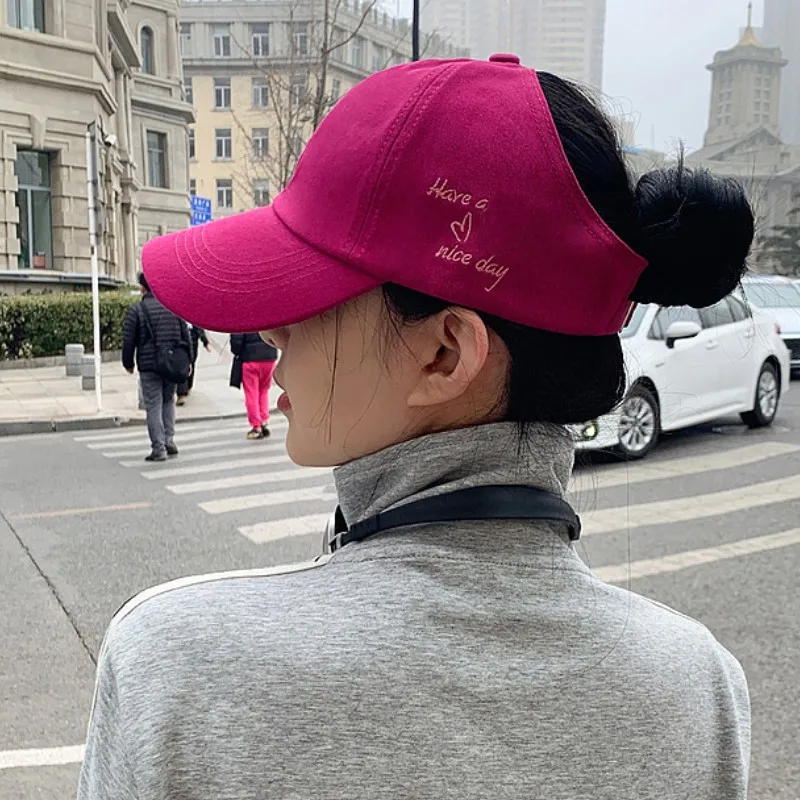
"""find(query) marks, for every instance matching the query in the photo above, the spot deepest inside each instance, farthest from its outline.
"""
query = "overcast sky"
(656, 52)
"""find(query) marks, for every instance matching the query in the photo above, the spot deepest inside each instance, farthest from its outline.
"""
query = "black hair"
(695, 230)
(143, 282)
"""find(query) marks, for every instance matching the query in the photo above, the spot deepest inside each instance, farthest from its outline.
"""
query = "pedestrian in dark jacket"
(158, 393)
(198, 335)
(258, 363)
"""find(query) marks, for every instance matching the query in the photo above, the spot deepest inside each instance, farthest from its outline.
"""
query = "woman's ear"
(452, 349)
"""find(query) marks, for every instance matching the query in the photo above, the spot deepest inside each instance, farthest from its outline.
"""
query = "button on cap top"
(504, 58)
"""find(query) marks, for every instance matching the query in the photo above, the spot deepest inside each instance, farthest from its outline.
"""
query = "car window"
(772, 295)
(635, 322)
(739, 310)
(717, 315)
(666, 316)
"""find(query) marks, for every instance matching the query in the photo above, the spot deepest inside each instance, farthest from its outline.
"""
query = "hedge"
(34, 325)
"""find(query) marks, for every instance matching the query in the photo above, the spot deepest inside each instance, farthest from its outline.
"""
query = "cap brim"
(247, 273)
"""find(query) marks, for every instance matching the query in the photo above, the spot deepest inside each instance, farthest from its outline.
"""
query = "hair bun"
(695, 230)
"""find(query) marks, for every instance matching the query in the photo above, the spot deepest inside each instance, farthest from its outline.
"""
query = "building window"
(35, 227)
(260, 143)
(300, 38)
(357, 52)
(260, 93)
(191, 143)
(193, 187)
(261, 193)
(157, 159)
(222, 92)
(336, 89)
(222, 41)
(27, 15)
(188, 93)
(224, 142)
(378, 58)
(259, 38)
(146, 45)
(186, 38)
(224, 193)
(298, 90)
(296, 142)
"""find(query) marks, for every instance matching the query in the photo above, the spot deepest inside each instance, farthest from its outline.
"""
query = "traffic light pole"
(415, 32)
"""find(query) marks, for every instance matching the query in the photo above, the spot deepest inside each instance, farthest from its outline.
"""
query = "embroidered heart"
(462, 230)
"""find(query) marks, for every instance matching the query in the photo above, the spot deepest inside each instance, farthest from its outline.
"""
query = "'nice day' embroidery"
(461, 229)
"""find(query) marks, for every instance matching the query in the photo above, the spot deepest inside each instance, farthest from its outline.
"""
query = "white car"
(686, 367)
(781, 298)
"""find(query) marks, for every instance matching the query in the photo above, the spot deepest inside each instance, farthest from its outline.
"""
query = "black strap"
(463, 505)
(147, 322)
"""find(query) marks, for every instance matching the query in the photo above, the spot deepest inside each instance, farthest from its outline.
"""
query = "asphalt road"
(86, 524)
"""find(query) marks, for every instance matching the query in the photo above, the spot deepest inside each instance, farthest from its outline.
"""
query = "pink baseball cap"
(447, 177)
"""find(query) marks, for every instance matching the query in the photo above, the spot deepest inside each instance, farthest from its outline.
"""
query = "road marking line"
(619, 573)
(75, 512)
(253, 479)
(278, 529)
(245, 448)
(685, 509)
(200, 469)
(678, 467)
(41, 757)
(245, 502)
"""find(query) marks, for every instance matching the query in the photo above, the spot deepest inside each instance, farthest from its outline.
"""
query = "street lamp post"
(92, 191)
(415, 32)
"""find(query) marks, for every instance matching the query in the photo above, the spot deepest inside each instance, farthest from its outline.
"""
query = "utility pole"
(415, 32)
(93, 191)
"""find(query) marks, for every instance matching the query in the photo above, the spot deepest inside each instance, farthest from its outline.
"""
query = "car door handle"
(713, 345)
(750, 334)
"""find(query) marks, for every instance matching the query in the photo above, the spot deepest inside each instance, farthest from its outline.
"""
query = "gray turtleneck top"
(479, 660)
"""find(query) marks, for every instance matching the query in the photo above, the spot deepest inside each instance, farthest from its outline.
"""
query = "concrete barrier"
(87, 373)
(73, 355)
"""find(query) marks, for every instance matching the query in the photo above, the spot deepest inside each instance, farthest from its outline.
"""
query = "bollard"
(87, 373)
(74, 356)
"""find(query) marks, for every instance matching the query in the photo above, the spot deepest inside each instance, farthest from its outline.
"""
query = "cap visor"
(247, 273)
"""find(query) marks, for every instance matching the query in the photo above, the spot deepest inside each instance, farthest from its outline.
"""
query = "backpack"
(173, 359)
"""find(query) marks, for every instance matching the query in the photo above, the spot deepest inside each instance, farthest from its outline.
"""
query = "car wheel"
(768, 391)
(639, 423)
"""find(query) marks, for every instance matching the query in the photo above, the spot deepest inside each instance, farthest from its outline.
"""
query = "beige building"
(565, 37)
(782, 29)
(65, 64)
(743, 140)
(259, 85)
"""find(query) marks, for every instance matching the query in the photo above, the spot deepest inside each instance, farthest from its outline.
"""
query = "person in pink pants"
(258, 363)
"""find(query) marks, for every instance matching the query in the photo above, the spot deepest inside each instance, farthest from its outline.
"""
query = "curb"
(29, 427)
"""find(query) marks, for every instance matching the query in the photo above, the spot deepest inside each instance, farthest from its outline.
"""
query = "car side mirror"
(681, 330)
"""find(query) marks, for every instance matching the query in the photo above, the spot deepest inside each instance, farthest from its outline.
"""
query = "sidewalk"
(44, 399)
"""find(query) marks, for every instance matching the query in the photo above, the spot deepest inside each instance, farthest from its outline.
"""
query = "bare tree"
(298, 86)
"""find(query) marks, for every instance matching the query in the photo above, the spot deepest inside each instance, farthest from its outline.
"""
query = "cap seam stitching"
(422, 98)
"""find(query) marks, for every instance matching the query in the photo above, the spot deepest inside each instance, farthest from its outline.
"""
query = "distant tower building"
(782, 29)
(745, 89)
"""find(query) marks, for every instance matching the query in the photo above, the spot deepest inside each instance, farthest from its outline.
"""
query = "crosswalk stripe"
(244, 448)
(207, 444)
(619, 475)
(125, 434)
(200, 469)
(684, 509)
(277, 529)
(143, 441)
(265, 500)
(620, 573)
(253, 479)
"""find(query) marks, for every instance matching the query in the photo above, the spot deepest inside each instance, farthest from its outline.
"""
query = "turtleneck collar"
(456, 459)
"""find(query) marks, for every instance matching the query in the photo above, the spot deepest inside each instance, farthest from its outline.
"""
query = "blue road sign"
(201, 210)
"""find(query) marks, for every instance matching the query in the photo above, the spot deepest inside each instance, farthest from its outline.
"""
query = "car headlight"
(590, 430)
